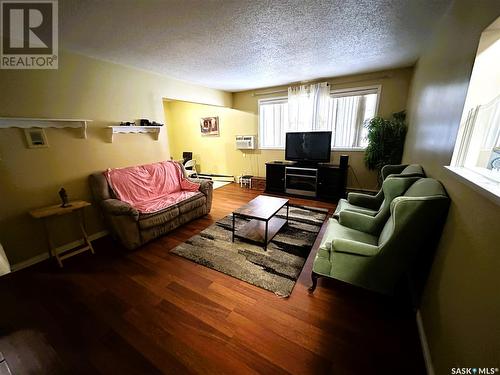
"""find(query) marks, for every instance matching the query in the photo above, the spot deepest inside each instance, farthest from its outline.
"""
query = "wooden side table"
(46, 213)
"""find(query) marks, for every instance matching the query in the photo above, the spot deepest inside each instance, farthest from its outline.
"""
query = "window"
(476, 157)
(347, 112)
(344, 113)
(273, 120)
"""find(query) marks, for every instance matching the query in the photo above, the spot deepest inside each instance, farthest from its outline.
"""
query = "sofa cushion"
(189, 204)
(158, 204)
(158, 218)
(161, 217)
(151, 187)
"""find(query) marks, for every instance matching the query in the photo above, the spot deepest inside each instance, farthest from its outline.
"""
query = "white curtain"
(273, 118)
(308, 107)
(345, 118)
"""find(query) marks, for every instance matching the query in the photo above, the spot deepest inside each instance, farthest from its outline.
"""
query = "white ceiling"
(237, 45)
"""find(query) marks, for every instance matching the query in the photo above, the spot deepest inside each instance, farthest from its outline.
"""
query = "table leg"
(52, 248)
(287, 206)
(265, 236)
(84, 232)
(233, 229)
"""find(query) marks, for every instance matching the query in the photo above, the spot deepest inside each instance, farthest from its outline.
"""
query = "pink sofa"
(144, 202)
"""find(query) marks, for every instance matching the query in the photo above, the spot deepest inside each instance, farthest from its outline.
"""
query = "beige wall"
(82, 88)
(219, 155)
(461, 304)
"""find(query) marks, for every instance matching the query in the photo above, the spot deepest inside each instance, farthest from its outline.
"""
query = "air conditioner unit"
(246, 142)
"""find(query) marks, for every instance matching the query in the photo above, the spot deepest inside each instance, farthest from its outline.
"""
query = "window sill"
(335, 149)
(349, 149)
(485, 186)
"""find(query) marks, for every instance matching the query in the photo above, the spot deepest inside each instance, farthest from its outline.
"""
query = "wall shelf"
(155, 130)
(26, 123)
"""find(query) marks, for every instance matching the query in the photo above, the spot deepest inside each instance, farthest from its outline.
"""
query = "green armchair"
(380, 262)
(371, 204)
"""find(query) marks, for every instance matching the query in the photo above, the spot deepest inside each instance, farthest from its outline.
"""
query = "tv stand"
(301, 180)
(321, 181)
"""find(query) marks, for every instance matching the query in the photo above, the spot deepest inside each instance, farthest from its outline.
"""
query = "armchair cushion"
(392, 187)
(369, 202)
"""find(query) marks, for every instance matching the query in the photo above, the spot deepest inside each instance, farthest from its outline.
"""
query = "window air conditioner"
(245, 142)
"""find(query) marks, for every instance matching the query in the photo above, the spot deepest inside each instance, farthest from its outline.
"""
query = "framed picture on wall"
(209, 125)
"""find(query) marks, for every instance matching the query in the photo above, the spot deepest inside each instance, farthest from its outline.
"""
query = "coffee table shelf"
(263, 224)
(255, 230)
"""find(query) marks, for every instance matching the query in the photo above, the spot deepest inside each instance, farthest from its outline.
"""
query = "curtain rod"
(331, 84)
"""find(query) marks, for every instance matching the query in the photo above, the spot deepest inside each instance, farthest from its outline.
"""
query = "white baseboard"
(41, 257)
(425, 345)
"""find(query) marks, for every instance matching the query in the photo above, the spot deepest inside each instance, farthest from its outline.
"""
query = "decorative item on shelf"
(127, 123)
(144, 122)
(154, 123)
(209, 125)
(64, 198)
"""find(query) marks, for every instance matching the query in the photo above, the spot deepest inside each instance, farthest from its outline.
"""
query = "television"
(308, 147)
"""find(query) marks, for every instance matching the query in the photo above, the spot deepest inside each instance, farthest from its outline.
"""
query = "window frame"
(359, 90)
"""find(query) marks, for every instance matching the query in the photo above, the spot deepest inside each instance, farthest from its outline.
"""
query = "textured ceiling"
(236, 45)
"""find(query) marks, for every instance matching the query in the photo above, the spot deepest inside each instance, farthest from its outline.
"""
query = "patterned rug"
(276, 269)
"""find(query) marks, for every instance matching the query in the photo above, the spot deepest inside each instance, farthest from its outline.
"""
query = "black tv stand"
(322, 181)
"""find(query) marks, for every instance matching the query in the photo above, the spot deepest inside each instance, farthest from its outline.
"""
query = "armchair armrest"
(392, 169)
(340, 245)
(358, 221)
(117, 207)
(364, 200)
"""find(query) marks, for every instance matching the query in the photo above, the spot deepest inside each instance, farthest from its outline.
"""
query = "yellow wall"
(219, 155)
(214, 154)
(461, 304)
(81, 88)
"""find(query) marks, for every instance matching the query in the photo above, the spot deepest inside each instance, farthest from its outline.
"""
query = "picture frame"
(209, 126)
(36, 138)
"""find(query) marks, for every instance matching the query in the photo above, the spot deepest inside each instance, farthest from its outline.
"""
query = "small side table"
(246, 180)
(46, 213)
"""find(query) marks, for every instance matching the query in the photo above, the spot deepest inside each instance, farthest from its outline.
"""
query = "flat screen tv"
(308, 147)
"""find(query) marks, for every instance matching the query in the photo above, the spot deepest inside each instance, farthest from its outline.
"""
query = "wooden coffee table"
(263, 225)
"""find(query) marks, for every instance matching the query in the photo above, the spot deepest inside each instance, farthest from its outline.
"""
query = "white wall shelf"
(155, 130)
(26, 123)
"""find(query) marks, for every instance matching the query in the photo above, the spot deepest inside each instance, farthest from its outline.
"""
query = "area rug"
(276, 269)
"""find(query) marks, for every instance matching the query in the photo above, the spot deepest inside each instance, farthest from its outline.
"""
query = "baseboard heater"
(216, 177)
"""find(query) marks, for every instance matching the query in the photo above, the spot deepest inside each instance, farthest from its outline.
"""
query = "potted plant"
(385, 141)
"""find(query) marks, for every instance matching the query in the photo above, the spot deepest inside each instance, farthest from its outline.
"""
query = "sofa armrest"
(206, 187)
(364, 200)
(340, 245)
(117, 207)
(358, 221)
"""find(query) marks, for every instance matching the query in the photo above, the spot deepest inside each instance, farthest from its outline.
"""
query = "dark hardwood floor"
(147, 311)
